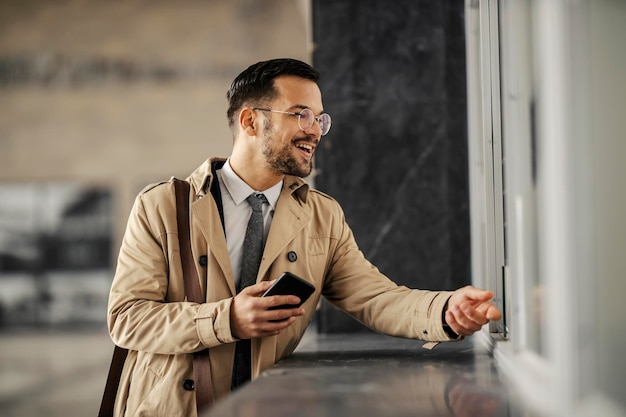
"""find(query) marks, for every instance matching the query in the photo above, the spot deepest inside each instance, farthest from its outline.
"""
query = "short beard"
(281, 159)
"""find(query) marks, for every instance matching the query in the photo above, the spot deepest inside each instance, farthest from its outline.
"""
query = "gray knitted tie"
(252, 254)
(253, 242)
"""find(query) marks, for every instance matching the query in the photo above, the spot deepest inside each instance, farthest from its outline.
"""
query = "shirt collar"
(239, 190)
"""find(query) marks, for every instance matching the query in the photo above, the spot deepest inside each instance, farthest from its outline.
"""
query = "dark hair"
(256, 83)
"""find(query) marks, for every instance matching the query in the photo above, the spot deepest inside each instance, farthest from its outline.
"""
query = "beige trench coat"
(148, 314)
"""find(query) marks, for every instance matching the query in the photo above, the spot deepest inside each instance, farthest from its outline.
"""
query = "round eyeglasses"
(306, 119)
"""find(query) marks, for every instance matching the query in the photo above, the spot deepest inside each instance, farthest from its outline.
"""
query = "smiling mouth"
(305, 147)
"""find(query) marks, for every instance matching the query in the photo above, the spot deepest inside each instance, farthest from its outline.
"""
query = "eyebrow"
(302, 107)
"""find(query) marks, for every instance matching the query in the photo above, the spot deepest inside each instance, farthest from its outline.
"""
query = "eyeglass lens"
(307, 118)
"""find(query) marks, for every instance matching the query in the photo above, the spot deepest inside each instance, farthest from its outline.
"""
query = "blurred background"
(507, 110)
(98, 99)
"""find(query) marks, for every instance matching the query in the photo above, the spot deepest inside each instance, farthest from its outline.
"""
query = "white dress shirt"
(237, 212)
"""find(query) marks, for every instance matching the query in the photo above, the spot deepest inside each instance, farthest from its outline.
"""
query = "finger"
(279, 300)
(455, 326)
(267, 328)
(279, 320)
(473, 314)
(270, 310)
(257, 289)
(262, 322)
(489, 310)
(460, 322)
(493, 313)
(282, 314)
(477, 294)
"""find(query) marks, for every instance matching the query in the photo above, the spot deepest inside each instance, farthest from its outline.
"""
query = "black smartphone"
(290, 284)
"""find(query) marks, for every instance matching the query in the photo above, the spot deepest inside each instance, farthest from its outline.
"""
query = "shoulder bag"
(201, 365)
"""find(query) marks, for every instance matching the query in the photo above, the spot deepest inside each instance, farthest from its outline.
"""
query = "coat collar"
(202, 178)
(291, 213)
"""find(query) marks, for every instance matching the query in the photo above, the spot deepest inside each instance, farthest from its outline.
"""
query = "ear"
(248, 121)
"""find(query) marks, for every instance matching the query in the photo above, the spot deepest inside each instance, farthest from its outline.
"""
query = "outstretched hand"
(470, 308)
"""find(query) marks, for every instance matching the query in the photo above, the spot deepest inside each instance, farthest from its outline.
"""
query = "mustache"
(306, 139)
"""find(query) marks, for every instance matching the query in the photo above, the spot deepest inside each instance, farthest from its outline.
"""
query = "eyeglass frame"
(301, 116)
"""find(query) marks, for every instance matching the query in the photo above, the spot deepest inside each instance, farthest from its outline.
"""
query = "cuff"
(437, 327)
(446, 328)
(213, 323)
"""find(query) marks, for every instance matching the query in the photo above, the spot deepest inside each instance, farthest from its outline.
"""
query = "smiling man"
(277, 119)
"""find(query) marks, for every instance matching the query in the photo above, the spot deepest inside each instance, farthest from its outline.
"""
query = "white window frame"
(540, 170)
(485, 154)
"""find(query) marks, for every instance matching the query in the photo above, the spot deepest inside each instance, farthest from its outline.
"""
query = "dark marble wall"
(393, 78)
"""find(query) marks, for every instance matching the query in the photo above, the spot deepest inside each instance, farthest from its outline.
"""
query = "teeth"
(307, 147)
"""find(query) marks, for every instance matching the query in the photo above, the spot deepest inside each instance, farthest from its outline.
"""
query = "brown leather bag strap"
(113, 381)
(190, 274)
(201, 365)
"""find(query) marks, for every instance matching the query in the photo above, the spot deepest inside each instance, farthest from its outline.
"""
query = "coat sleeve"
(147, 310)
(359, 288)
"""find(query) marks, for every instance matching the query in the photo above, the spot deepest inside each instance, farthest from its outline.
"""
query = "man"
(276, 117)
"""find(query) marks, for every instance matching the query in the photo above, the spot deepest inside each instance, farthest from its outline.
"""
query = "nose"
(315, 129)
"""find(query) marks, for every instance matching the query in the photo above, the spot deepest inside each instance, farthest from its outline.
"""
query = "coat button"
(203, 260)
(189, 385)
(292, 256)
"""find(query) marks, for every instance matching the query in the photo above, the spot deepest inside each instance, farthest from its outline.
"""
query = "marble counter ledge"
(369, 375)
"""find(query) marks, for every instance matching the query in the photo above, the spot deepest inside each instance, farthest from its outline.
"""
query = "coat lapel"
(205, 218)
(290, 217)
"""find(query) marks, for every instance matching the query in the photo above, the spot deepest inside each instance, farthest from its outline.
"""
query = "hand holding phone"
(290, 284)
